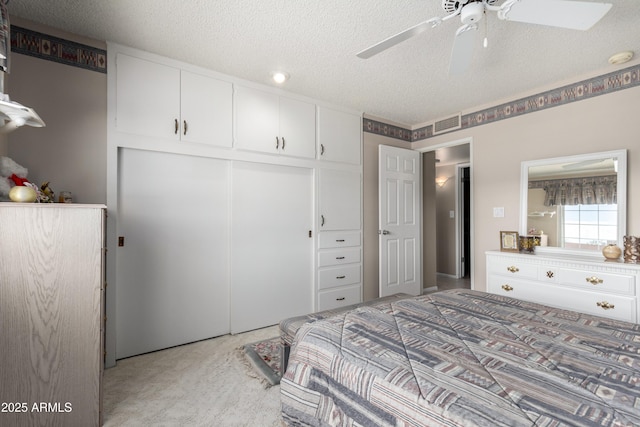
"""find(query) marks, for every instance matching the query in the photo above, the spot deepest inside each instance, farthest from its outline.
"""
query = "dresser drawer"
(338, 239)
(339, 297)
(338, 276)
(600, 304)
(338, 257)
(597, 281)
(512, 268)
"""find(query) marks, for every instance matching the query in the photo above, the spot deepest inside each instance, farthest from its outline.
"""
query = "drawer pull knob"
(605, 305)
(594, 280)
(339, 257)
(513, 269)
(507, 288)
(340, 299)
(340, 277)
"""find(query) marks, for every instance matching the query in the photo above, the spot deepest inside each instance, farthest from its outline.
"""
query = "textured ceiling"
(316, 43)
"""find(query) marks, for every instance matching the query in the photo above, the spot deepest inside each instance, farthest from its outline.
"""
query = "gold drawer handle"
(513, 269)
(605, 305)
(594, 280)
(507, 288)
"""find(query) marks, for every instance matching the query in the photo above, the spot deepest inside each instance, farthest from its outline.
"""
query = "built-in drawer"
(339, 297)
(339, 276)
(338, 239)
(513, 268)
(597, 281)
(338, 256)
(601, 304)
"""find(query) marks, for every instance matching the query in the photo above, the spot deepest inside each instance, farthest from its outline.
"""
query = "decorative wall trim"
(49, 48)
(601, 85)
(379, 128)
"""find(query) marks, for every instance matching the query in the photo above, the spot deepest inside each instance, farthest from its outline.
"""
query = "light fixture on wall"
(441, 181)
(12, 114)
(280, 77)
(620, 58)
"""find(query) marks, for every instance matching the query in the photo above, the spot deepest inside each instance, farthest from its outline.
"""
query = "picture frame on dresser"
(509, 241)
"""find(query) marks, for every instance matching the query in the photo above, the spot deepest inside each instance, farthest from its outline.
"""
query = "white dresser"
(339, 269)
(593, 286)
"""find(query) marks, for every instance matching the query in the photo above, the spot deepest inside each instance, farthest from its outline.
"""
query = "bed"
(463, 358)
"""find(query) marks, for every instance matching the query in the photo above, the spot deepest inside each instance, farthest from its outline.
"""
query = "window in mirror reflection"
(574, 212)
(589, 226)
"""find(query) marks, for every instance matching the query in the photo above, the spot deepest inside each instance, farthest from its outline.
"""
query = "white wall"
(70, 152)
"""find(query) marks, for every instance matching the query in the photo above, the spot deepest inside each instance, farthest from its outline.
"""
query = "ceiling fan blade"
(463, 46)
(575, 15)
(396, 39)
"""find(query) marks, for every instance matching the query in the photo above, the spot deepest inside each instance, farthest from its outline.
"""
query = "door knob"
(384, 232)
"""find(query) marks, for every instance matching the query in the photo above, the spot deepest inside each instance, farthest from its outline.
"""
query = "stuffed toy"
(12, 174)
(9, 169)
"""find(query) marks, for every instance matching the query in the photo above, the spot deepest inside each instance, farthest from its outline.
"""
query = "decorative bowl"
(23, 194)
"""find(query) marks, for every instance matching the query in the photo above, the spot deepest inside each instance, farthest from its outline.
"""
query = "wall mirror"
(575, 203)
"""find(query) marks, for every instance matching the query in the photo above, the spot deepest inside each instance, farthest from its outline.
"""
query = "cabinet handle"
(321, 220)
(176, 125)
(283, 142)
(339, 257)
(605, 305)
(321, 149)
(594, 280)
(507, 288)
(513, 269)
(340, 277)
(339, 240)
(340, 299)
(184, 127)
(277, 142)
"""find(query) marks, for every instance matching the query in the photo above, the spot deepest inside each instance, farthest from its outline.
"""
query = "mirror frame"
(621, 155)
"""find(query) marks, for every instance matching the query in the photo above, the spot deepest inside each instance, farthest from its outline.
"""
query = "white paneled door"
(400, 210)
(271, 244)
(173, 275)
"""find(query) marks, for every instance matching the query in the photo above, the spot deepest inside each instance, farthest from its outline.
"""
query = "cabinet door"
(206, 110)
(271, 251)
(297, 128)
(339, 136)
(147, 97)
(257, 116)
(172, 279)
(339, 200)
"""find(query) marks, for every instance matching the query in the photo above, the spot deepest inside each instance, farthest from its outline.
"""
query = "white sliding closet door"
(173, 279)
(271, 253)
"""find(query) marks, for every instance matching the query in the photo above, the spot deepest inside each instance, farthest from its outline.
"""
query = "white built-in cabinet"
(272, 123)
(172, 254)
(271, 244)
(339, 199)
(248, 227)
(339, 135)
(172, 103)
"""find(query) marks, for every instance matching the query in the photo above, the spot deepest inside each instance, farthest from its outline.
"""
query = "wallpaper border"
(601, 85)
(50, 48)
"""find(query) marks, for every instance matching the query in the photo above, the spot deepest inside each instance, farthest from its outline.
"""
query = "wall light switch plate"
(498, 212)
(452, 214)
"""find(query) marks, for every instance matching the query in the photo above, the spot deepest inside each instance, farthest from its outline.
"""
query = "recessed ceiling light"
(280, 77)
(621, 58)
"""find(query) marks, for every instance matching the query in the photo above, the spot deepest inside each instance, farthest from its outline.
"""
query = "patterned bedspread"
(463, 358)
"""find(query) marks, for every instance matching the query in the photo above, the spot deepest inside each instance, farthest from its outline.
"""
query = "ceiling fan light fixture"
(280, 77)
(620, 58)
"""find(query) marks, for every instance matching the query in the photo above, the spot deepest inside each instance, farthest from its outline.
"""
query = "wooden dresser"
(51, 312)
(587, 285)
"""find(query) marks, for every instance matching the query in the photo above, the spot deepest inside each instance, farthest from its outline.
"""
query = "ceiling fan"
(576, 15)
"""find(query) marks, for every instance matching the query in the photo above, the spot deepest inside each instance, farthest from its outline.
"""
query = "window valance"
(597, 190)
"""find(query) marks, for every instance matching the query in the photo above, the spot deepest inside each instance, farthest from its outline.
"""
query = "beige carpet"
(200, 384)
